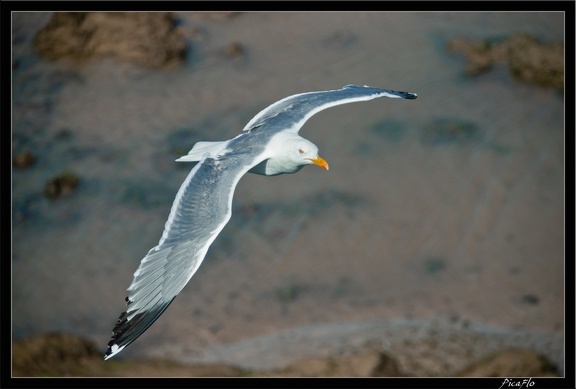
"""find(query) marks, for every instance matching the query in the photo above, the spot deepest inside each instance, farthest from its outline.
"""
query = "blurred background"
(439, 217)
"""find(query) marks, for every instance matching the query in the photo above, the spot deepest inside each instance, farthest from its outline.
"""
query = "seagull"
(268, 145)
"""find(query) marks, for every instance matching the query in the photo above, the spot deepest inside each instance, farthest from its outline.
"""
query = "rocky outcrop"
(528, 60)
(512, 363)
(146, 39)
(363, 364)
(52, 355)
(65, 355)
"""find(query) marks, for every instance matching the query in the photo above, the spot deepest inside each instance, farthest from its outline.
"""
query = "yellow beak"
(320, 162)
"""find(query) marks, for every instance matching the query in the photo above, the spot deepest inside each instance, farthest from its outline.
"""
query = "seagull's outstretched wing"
(293, 111)
(200, 211)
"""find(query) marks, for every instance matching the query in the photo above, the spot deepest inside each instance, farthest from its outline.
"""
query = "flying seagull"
(268, 145)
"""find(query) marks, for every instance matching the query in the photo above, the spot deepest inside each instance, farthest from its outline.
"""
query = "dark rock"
(387, 367)
(66, 355)
(61, 185)
(512, 363)
(23, 160)
(146, 39)
(52, 354)
(528, 60)
(365, 364)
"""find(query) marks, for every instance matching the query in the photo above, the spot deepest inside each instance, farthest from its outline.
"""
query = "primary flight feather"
(268, 145)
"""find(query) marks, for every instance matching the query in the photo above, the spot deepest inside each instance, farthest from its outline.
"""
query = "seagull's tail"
(201, 148)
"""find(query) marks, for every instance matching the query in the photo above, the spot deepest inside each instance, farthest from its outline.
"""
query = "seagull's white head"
(288, 153)
(303, 152)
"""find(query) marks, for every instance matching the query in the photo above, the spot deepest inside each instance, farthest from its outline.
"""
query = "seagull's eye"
(300, 151)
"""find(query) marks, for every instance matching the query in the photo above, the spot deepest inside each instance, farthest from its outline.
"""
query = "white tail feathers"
(201, 148)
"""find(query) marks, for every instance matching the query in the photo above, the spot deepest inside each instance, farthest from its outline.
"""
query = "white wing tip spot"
(115, 349)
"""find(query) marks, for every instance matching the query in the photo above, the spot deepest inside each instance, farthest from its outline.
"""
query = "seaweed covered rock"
(23, 160)
(149, 40)
(67, 355)
(361, 364)
(52, 354)
(512, 363)
(527, 59)
(61, 185)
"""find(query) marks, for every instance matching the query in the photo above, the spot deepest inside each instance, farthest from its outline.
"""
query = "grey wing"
(293, 111)
(201, 209)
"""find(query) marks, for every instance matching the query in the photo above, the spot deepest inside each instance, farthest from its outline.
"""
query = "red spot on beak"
(319, 161)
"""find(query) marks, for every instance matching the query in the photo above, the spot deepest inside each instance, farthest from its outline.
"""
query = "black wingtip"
(128, 330)
(409, 95)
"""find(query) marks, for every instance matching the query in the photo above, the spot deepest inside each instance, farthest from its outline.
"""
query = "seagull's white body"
(269, 145)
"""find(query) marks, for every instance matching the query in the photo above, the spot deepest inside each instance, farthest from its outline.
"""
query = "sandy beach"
(441, 217)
